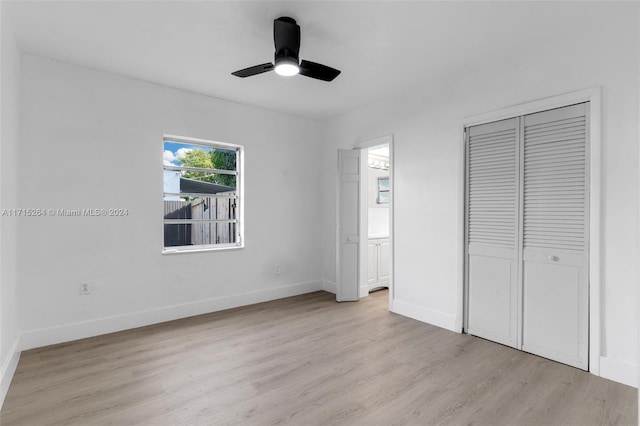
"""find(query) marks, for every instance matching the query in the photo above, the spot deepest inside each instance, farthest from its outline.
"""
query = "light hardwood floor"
(305, 360)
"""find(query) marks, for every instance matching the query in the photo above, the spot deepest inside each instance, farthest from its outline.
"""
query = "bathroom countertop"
(371, 237)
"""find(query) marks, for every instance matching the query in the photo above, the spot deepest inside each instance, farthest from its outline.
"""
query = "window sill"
(199, 249)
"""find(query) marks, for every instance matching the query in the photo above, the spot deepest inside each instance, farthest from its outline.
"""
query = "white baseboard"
(329, 286)
(420, 313)
(80, 330)
(619, 371)
(8, 369)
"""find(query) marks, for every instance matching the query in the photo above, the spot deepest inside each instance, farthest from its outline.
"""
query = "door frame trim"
(369, 143)
(594, 97)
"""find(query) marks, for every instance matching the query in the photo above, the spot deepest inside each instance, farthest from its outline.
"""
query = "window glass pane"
(195, 234)
(177, 235)
(204, 183)
(208, 157)
(223, 159)
(215, 208)
(383, 184)
(177, 182)
(182, 154)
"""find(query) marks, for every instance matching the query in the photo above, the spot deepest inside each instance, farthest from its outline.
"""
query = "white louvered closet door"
(527, 233)
(555, 250)
(492, 230)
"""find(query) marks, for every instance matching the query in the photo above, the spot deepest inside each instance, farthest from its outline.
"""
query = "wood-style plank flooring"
(304, 360)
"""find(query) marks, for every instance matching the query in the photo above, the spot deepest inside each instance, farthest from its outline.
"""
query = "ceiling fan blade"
(257, 69)
(318, 71)
(286, 38)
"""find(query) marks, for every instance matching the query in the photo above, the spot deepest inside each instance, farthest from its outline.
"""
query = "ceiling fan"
(286, 37)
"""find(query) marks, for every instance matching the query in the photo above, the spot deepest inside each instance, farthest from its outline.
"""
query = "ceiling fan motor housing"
(286, 37)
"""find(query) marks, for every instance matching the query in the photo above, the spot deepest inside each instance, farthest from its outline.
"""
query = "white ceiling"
(382, 151)
(383, 48)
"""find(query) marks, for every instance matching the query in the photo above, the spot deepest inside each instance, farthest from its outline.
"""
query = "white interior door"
(556, 235)
(348, 225)
(492, 231)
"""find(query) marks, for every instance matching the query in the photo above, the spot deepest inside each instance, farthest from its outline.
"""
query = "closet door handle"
(553, 258)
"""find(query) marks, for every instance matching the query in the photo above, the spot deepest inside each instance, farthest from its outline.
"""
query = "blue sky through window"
(174, 151)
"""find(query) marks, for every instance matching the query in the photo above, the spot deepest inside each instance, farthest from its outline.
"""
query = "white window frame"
(239, 221)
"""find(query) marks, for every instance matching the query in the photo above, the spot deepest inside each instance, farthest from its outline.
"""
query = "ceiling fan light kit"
(286, 38)
(287, 67)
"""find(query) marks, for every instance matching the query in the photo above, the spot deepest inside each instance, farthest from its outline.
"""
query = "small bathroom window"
(383, 190)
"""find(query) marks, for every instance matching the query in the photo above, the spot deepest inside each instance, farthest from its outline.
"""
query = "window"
(202, 195)
(383, 190)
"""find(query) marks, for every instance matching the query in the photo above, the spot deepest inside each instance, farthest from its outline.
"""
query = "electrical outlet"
(85, 289)
(277, 270)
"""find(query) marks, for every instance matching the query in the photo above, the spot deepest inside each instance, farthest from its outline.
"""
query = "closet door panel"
(555, 238)
(492, 224)
(552, 320)
(492, 294)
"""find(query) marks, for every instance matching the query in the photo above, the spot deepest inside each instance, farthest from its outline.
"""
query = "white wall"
(94, 140)
(378, 214)
(9, 135)
(586, 45)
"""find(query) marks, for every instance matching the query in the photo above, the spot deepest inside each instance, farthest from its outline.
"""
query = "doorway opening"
(375, 219)
(364, 232)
